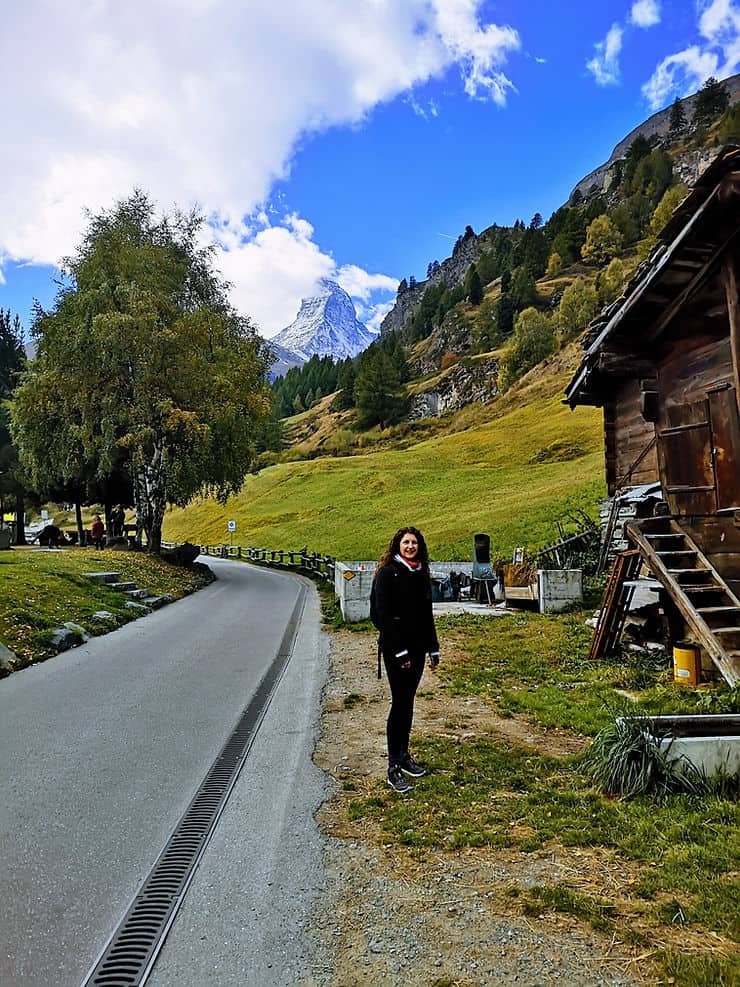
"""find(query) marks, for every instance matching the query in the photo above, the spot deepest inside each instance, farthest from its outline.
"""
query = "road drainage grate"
(128, 957)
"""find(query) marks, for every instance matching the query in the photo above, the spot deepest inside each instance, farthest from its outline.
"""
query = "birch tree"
(143, 362)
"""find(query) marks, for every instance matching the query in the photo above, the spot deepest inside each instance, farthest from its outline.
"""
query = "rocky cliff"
(456, 387)
(450, 272)
(689, 164)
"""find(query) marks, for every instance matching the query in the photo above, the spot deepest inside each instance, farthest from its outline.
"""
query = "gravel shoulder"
(454, 918)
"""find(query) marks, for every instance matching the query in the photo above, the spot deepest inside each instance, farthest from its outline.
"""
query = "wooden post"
(729, 276)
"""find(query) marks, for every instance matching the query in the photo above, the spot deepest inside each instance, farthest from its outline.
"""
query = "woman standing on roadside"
(403, 603)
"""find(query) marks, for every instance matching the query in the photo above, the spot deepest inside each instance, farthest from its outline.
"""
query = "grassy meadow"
(658, 873)
(40, 590)
(511, 469)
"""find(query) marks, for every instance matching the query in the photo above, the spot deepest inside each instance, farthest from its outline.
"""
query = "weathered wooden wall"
(626, 436)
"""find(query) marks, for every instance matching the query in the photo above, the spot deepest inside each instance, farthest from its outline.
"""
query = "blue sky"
(353, 139)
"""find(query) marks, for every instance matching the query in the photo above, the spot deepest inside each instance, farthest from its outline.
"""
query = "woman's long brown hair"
(394, 549)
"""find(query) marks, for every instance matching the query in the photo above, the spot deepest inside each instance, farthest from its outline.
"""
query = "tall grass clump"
(626, 759)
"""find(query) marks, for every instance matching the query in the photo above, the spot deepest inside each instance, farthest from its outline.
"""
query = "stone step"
(137, 594)
(123, 587)
(155, 602)
(103, 577)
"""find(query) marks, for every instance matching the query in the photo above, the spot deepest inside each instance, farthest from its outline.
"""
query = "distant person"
(455, 584)
(117, 517)
(97, 532)
(402, 592)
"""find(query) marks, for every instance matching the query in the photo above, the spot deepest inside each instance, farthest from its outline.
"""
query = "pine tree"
(12, 361)
(12, 356)
(379, 397)
(475, 288)
(710, 103)
(676, 120)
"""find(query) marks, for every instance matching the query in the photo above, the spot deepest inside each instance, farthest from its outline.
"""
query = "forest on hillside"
(534, 286)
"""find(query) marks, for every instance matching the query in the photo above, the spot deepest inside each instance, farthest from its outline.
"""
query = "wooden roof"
(689, 246)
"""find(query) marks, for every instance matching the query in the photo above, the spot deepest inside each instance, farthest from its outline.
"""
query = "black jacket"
(404, 608)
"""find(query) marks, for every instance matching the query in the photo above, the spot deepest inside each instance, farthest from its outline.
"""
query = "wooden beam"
(729, 275)
(617, 364)
(694, 284)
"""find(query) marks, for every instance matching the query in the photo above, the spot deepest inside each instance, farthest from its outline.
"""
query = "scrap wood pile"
(576, 548)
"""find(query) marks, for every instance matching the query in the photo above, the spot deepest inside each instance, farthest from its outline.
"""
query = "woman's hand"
(434, 659)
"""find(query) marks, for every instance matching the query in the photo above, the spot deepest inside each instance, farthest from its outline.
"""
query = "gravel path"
(454, 919)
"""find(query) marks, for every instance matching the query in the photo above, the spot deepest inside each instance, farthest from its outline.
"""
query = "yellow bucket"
(686, 663)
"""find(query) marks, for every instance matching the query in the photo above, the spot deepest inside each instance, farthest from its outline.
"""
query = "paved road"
(102, 749)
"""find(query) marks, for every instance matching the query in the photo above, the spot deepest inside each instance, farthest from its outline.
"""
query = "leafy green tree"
(661, 214)
(486, 326)
(610, 280)
(729, 126)
(532, 341)
(710, 103)
(554, 264)
(664, 210)
(143, 354)
(380, 398)
(652, 176)
(578, 306)
(603, 241)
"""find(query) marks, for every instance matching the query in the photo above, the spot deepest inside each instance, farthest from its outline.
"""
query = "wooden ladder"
(705, 601)
(615, 604)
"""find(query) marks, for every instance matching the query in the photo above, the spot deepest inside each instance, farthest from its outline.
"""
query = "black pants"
(403, 682)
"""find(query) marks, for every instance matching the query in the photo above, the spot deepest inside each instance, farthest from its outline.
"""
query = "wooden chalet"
(664, 363)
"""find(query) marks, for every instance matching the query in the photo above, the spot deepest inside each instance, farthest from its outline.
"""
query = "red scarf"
(412, 566)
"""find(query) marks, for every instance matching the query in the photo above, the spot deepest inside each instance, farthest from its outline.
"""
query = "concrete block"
(559, 589)
(352, 584)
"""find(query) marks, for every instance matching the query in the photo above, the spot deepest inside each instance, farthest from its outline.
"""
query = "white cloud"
(719, 55)
(604, 66)
(285, 255)
(679, 74)
(718, 19)
(360, 284)
(479, 51)
(720, 25)
(645, 13)
(206, 101)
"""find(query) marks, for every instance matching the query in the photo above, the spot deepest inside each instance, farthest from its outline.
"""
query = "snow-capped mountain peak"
(326, 325)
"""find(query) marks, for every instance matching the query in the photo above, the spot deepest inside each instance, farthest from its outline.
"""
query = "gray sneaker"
(397, 781)
(411, 767)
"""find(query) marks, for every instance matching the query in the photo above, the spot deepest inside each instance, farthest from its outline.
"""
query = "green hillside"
(513, 475)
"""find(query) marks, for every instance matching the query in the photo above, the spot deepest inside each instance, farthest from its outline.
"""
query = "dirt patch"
(455, 918)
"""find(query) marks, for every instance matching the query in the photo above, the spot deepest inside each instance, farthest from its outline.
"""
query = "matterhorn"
(326, 325)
